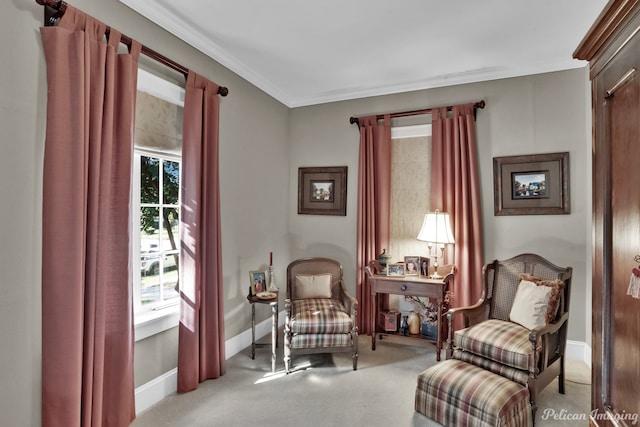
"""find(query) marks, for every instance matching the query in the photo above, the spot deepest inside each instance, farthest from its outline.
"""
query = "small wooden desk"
(409, 286)
(253, 300)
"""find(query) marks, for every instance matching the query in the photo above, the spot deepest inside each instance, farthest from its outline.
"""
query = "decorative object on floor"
(436, 231)
(414, 323)
(404, 326)
(531, 357)
(388, 320)
(384, 259)
(535, 184)
(320, 313)
(322, 190)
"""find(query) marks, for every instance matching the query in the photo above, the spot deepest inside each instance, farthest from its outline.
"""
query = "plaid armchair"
(320, 313)
(491, 339)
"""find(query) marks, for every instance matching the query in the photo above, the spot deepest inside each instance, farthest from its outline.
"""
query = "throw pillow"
(313, 286)
(536, 301)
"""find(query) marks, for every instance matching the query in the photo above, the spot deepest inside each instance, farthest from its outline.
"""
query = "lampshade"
(436, 228)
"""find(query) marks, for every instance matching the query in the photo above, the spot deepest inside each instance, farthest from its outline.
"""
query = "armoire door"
(616, 198)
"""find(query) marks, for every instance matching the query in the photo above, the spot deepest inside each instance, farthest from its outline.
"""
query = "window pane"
(171, 182)
(149, 278)
(149, 238)
(149, 179)
(170, 229)
(170, 276)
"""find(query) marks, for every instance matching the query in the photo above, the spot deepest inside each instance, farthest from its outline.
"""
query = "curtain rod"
(356, 120)
(61, 7)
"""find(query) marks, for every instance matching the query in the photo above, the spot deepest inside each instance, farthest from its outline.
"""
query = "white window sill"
(155, 321)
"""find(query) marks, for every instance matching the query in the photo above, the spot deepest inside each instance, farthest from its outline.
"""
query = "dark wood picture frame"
(322, 190)
(536, 184)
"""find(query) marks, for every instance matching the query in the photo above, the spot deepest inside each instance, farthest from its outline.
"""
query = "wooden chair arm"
(471, 313)
(349, 301)
(538, 333)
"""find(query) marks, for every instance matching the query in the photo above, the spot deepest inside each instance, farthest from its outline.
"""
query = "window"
(158, 228)
(156, 203)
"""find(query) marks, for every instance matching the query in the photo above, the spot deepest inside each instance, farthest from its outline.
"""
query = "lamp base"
(435, 275)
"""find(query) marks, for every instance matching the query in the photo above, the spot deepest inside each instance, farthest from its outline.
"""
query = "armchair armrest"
(349, 301)
(537, 333)
(471, 314)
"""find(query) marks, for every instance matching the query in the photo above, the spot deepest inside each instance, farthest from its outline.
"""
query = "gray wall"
(262, 145)
(526, 115)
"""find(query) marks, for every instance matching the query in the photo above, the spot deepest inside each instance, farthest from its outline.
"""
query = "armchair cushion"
(501, 341)
(536, 301)
(320, 316)
(313, 285)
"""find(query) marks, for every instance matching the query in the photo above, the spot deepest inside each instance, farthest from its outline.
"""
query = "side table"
(273, 303)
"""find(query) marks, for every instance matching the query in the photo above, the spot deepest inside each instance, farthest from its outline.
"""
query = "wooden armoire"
(612, 47)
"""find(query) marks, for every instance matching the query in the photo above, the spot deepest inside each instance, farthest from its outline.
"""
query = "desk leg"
(372, 324)
(253, 331)
(274, 334)
(439, 330)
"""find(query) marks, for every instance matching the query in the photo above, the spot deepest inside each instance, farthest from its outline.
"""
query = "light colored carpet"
(323, 390)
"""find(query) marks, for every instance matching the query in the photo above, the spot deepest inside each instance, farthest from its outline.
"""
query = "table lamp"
(436, 231)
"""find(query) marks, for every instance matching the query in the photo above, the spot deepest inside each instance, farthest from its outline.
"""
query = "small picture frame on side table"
(411, 264)
(258, 281)
(424, 263)
(395, 269)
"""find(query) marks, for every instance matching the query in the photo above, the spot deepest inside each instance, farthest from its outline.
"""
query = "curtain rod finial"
(223, 91)
(354, 120)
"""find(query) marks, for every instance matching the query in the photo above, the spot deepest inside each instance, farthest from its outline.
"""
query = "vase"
(414, 323)
(384, 259)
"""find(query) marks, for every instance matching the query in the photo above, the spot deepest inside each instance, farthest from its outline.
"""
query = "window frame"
(164, 315)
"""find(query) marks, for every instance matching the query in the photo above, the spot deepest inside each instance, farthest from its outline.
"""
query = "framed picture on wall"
(322, 190)
(535, 184)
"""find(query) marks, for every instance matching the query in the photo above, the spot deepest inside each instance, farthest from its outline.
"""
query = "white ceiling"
(304, 53)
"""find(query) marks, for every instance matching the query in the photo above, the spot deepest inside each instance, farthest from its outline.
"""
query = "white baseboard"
(578, 350)
(166, 384)
(155, 390)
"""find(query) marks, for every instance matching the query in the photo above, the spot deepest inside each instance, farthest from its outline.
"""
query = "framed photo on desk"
(396, 269)
(411, 264)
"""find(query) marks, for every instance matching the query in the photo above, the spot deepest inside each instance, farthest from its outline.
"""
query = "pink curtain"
(374, 205)
(87, 311)
(201, 351)
(455, 189)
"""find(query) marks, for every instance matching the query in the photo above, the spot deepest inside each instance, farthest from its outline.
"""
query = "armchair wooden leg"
(561, 376)
(287, 350)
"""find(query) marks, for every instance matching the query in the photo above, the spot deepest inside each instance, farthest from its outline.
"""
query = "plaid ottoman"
(456, 393)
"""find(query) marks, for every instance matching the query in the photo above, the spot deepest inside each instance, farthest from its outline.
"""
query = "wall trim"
(578, 350)
(166, 384)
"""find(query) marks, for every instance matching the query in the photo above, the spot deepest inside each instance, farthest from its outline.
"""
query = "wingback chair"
(492, 340)
(320, 313)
